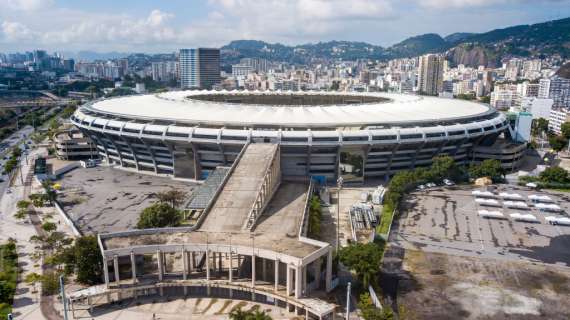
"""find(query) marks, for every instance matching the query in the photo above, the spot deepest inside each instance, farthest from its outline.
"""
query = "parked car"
(421, 187)
(431, 185)
(448, 182)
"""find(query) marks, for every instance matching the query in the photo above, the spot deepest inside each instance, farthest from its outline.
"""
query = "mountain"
(414, 46)
(457, 37)
(472, 49)
(552, 37)
(301, 54)
(564, 71)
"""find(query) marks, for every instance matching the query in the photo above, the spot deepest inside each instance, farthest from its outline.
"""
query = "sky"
(165, 26)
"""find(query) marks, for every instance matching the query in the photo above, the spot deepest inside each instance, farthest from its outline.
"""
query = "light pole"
(339, 186)
(348, 301)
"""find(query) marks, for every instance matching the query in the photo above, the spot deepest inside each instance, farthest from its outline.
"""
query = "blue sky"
(165, 26)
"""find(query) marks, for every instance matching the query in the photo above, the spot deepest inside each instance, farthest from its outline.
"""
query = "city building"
(188, 134)
(430, 79)
(73, 145)
(556, 88)
(199, 68)
(539, 108)
(241, 70)
(557, 117)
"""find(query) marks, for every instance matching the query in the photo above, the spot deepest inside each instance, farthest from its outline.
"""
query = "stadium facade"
(187, 134)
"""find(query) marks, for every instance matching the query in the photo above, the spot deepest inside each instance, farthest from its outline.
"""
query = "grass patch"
(385, 220)
(8, 277)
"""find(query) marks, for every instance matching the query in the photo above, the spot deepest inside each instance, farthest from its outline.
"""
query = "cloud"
(310, 19)
(26, 5)
(15, 31)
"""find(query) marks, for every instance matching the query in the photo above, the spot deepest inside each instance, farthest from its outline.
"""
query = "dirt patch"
(440, 286)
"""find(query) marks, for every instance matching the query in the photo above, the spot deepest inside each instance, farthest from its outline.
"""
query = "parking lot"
(446, 220)
(103, 199)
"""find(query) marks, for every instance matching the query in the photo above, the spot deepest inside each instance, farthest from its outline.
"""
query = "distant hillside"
(414, 46)
(466, 48)
(564, 71)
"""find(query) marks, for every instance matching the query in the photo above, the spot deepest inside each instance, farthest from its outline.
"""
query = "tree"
(557, 143)
(173, 197)
(370, 312)
(83, 258)
(49, 227)
(239, 314)
(315, 217)
(23, 204)
(554, 174)
(539, 126)
(565, 129)
(443, 167)
(159, 215)
(488, 168)
(364, 259)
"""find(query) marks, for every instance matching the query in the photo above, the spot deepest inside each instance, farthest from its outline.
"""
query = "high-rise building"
(430, 79)
(557, 118)
(557, 89)
(199, 68)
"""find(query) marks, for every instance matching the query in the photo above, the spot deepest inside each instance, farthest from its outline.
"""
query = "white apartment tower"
(430, 80)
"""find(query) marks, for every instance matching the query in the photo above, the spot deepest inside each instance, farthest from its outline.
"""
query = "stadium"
(187, 134)
(248, 236)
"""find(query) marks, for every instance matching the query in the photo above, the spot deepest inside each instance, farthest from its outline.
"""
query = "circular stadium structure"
(187, 134)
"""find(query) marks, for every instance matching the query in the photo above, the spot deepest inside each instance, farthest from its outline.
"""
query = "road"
(18, 138)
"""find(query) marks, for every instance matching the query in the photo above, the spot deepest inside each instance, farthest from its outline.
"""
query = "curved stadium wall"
(187, 134)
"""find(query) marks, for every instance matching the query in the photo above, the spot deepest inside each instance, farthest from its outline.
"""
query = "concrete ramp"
(233, 207)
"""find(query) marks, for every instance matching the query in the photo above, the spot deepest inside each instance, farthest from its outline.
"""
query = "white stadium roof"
(175, 106)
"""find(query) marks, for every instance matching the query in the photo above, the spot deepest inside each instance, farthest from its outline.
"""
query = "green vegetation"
(557, 143)
(488, 168)
(8, 277)
(363, 259)
(552, 178)
(315, 217)
(12, 163)
(466, 96)
(370, 312)
(253, 314)
(159, 215)
(84, 259)
(539, 127)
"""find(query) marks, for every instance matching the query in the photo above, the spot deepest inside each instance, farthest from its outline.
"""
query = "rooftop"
(306, 109)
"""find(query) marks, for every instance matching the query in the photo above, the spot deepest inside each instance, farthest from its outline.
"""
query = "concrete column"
(116, 269)
(192, 261)
(208, 265)
(317, 268)
(298, 281)
(214, 262)
(159, 259)
(253, 270)
(276, 278)
(264, 269)
(106, 271)
(231, 267)
(185, 264)
(304, 283)
(288, 285)
(328, 277)
(220, 264)
(134, 267)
